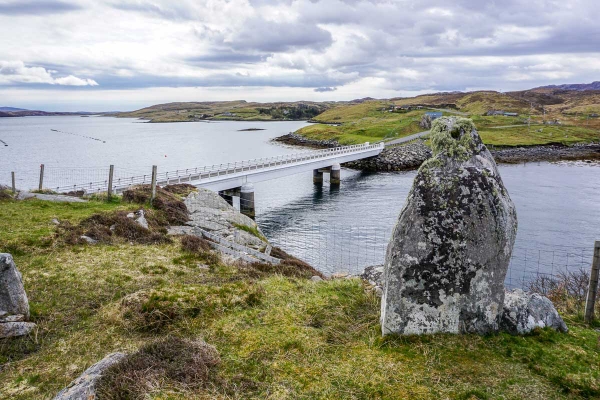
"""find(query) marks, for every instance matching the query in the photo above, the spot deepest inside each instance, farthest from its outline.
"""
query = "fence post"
(111, 171)
(153, 183)
(14, 187)
(41, 176)
(593, 285)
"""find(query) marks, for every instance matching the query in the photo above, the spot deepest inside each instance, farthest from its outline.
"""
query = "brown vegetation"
(169, 361)
(173, 208)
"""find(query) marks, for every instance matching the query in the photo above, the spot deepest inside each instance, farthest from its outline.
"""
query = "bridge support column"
(317, 177)
(229, 194)
(247, 200)
(335, 174)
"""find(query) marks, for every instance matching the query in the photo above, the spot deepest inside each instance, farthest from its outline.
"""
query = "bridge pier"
(229, 194)
(335, 174)
(317, 177)
(247, 200)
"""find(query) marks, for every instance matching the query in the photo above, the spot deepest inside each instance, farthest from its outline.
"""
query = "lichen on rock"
(449, 253)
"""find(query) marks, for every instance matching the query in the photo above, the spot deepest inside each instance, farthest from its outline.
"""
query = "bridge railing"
(197, 174)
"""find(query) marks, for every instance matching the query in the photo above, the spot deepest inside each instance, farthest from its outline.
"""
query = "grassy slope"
(190, 111)
(301, 339)
(366, 122)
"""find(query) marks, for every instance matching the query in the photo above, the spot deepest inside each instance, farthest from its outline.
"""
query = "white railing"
(198, 174)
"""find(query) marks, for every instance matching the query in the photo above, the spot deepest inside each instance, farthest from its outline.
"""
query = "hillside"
(228, 110)
(557, 117)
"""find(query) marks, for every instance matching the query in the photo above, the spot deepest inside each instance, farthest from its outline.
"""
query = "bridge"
(236, 179)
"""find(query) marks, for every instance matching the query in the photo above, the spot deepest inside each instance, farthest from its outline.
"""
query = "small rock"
(82, 388)
(131, 215)
(373, 275)
(523, 312)
(141, 219)
(316, 278)
(55, 221)
(12, 318)
(203, 266)
(12, 329)
(88, 239)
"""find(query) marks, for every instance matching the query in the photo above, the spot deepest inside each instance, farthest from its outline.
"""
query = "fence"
(90, 180)
(350, 249)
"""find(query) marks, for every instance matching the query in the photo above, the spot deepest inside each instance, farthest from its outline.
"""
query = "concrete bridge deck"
(234, 175)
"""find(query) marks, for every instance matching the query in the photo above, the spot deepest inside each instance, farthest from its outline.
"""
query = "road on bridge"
(406, 138)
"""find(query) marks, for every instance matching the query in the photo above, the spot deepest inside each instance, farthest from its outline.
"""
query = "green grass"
(538, 135)
(278, 337)
(251, 230)
(363, 123)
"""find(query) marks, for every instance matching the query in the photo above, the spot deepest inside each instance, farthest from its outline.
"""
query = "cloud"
(36, 7)
(325, 89)
(15, 72)
(380, 47)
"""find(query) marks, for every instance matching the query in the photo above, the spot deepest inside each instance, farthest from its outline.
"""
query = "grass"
(251, 230)
(365, 122)
(277, 337)
(538, 135)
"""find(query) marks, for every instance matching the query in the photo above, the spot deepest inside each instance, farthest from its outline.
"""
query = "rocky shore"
(397, 158)
(411, 155)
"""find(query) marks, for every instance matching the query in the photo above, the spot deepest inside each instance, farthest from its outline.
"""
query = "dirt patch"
(171, 361)
(174, 209)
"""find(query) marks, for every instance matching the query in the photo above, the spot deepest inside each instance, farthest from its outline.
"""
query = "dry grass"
(171, 361)
(174, 209)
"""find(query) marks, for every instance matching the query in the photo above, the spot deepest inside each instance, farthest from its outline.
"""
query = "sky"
(76, 55)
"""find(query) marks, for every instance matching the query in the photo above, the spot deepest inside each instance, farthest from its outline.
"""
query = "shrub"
(194, 244)
(173, 208)
(173, 361)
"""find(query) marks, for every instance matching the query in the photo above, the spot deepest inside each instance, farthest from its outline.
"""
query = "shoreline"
(411, 155)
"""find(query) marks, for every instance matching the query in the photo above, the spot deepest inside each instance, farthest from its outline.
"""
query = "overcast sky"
(126, 54)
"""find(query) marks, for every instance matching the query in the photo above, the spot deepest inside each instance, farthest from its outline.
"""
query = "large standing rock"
(13, 299)
(523, 312)
(83, 388)
(449, 253)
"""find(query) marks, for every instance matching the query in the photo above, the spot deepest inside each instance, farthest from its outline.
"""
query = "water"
(341, 229)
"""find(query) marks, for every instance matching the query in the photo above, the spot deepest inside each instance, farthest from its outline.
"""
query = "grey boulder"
(17, 328)
(13, 299)
(83, 388)
(449, 252)
(523, 312)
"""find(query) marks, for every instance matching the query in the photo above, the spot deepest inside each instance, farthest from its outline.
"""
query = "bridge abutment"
(247, 200)
(229, 194)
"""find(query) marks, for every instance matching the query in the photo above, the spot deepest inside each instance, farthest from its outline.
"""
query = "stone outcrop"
(425, 122)
(449, 253)
(83, 388)
(14, 305)
(212, 213)
(523, 312)
(299, 140)
(398, 158)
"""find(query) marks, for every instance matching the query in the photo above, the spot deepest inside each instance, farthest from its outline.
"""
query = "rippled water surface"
(343, 229)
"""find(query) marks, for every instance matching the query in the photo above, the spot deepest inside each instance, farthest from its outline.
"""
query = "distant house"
(511, 114)
(433, 114)
(495, 112)
(593, 115)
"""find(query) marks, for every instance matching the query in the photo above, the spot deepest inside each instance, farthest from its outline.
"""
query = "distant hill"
(237, 110)
(580, 87)
(12, 109)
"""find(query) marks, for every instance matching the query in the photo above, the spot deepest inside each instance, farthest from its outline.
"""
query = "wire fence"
(350, 249)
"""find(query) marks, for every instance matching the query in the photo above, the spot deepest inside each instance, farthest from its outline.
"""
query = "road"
(406, 138)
